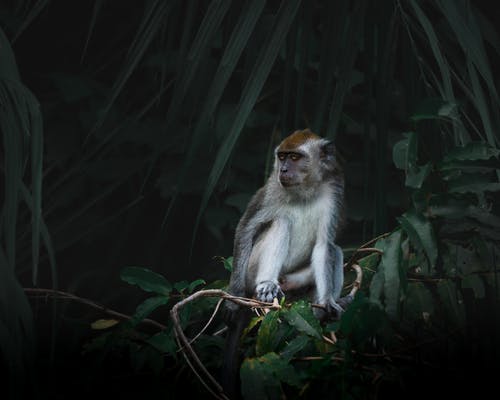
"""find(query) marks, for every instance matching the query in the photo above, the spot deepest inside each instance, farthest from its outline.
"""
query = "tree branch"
(61, 295)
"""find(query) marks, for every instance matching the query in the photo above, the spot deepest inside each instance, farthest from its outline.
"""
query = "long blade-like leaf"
(209, 26)
(239, 38)
(36, 126)
(251, 91)
(146, 33)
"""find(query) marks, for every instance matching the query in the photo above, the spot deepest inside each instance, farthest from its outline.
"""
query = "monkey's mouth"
(287, 181)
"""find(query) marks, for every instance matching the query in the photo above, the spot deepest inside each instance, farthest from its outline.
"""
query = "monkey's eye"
(281, 156)
(295, 156)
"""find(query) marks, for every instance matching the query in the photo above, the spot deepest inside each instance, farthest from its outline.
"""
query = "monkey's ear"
(328, 150)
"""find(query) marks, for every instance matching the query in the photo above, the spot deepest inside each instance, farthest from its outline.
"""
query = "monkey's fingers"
(267, 291)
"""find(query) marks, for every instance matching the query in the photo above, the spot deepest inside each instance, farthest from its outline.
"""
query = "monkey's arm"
(327, 264)
(272, 255)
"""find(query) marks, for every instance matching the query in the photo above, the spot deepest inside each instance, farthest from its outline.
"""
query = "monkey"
(286, 239)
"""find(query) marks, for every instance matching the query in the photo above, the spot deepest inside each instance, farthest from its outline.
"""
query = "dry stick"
(188, 361)
(174, 314)
(206, 325)
(364, 247)
(59, 294)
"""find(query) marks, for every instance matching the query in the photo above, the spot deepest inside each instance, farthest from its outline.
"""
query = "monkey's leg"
(297, 279)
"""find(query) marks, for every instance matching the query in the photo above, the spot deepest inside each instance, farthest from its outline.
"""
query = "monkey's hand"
(268, 290)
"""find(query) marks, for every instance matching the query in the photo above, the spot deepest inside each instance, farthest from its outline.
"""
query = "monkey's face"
(292, 168)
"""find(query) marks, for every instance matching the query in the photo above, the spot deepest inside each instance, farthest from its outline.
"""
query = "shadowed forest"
(134, 133)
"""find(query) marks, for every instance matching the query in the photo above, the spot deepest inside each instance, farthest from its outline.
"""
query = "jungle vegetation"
(133, 135)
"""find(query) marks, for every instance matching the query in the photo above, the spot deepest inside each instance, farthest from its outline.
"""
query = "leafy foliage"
(134, 133)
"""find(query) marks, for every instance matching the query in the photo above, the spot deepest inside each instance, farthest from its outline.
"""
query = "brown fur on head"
(296, 139)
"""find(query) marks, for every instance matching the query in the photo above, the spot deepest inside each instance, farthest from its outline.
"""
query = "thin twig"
(59, 294)
(188, 361)
(364, 248)
(174, 314)
(207, 324)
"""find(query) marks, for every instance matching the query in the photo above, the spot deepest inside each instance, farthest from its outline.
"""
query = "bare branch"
(61, 295)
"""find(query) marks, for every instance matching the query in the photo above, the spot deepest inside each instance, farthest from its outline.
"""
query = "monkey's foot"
(333, 309)
(345, 301)
(267, 291)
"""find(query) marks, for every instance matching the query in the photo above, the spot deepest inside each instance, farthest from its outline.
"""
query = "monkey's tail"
(232, 357)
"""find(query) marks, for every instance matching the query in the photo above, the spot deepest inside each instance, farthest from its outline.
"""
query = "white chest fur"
(308, 224)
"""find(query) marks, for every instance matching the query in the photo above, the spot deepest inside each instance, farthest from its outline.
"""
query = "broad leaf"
(266, 338)
(421, 233)
(147, 280)
(294, 346)
(471, 151)
(103, 323)
(302, 318)
(147, 307)
(163, 342)
(261, 377)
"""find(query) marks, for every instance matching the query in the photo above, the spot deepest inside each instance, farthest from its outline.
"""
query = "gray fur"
(318, 171)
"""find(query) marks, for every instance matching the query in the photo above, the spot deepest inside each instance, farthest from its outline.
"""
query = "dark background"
(141, 169)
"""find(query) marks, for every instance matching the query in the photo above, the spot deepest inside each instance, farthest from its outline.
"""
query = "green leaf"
(232, 53)
(103, 324)
(446, 206)
(261, 377)
(152, 21)
(362, 320)
(473, 183)
(469, 36)
(249, 96)
(446, 86)
(294, 346)
(163, 342)
(228, 263)
(404, 155)
(469, 166)
(418, 303)
(416, 175)
(301, 317)
(434, 108)
(267, 335)
(400, 151)
(385, 284)
(194, 284)
(377, 282)
(471, 151)
(391, 267)
(181, 286)
(452, 301)
(370, 261)
(147, 280)
(420, 231)
(8, 66)
(147, 307)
